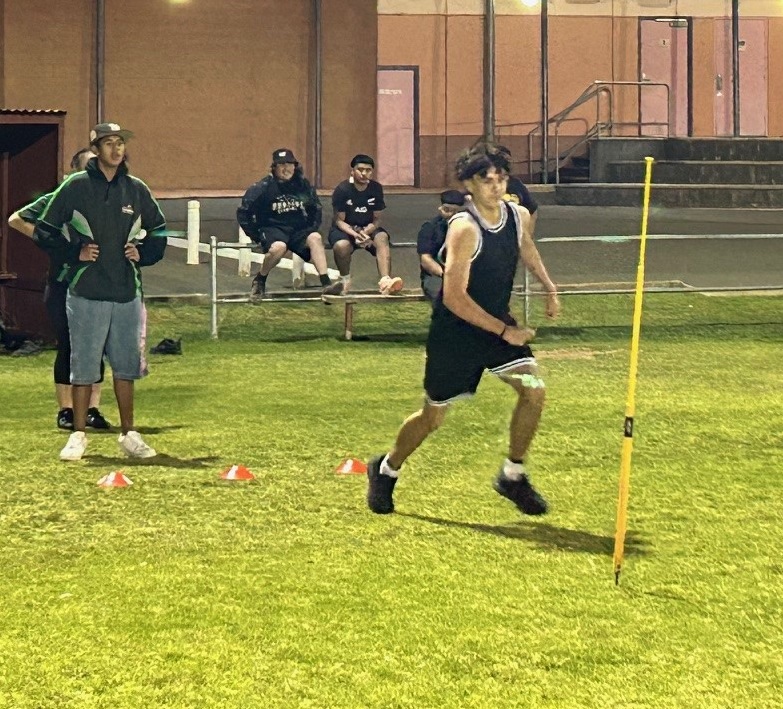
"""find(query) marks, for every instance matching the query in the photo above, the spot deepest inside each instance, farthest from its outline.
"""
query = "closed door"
(397, 162)
(664, 49)
(753, 78)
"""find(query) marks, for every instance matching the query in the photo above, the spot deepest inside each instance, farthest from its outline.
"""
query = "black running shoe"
(65, 419)
(380, 488)
(168, 346)
(95, 420)
(257, 290)
(522, 494)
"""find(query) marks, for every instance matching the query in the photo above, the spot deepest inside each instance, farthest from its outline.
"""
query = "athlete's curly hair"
(479, 158)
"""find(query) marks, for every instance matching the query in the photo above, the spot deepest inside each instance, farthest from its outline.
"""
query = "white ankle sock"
(345, 279)
(386, 469)
(513, 471)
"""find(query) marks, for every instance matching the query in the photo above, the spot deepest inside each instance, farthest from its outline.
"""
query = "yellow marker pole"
(630, 403)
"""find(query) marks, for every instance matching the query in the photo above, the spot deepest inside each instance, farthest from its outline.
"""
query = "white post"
(243, 257)
(194, 223)
(213, 284)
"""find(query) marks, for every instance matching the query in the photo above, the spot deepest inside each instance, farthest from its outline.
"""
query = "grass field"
(187, 591)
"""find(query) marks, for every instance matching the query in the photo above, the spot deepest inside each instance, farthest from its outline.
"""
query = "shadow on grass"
(115, 430)
(161, 460)
(158, 429)
(546, 536)
(692, 330)
(411, 338)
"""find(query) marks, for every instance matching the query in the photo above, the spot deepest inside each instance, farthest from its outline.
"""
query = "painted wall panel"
(209, 101)
(517, 74)
(465, 79)
(59, 37)
(618, 8)
(419, 41)
(571, 72)
(703, 76)
(350, 49)
(775, 73)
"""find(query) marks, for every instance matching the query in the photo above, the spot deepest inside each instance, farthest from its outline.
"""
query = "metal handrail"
(595, 90)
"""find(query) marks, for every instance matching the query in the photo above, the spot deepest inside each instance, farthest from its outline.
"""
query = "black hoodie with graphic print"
(292, 206)
(109, 214)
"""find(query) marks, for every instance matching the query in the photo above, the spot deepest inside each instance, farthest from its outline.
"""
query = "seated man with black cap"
(282, 213)
(358, 203)
(432, 236)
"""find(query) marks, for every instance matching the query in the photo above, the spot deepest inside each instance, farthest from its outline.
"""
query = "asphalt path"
(566, 238)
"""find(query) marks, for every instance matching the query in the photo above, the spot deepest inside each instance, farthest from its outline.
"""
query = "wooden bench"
(356, 297)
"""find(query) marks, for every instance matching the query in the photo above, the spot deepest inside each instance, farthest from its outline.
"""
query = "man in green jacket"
(115, 227)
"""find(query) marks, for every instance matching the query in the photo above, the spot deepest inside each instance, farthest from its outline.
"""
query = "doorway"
(665, 57)
(398, 125)
(754, 86)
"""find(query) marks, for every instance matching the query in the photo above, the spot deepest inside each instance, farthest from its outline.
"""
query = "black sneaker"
(522, 494)
(257, 290)
(95, 420)
(380, 488)
(65, 419)
(335, 288)
(168, 346)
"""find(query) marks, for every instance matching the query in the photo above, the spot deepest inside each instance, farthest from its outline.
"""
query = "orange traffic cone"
(116, 479)
(237, 472)
(351, 466)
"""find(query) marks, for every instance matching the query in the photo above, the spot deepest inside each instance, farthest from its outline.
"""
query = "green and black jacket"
(107, 213)
(31, 213)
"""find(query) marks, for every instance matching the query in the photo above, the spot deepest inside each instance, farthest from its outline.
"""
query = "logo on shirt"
(371, 201)
(349, 202)
(360, 210)
(128, 209)
(285, 204)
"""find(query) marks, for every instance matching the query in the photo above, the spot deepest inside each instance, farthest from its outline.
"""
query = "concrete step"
(681, 195)
(759, 149)
(735, 172)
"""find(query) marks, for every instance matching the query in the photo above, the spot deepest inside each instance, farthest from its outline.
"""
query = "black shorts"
(458, 354)
(296, 241)
(336, 234)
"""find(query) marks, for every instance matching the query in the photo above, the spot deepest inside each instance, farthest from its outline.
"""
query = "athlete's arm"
(25, 218)
(531, 260)
(430, 265)
(370, 229)
(21, 225)
(247, 212)
(342, 225)
(314, 209)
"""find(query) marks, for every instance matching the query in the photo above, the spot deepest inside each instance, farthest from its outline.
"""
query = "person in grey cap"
(431, 238)
(115, 227)
(281, 213)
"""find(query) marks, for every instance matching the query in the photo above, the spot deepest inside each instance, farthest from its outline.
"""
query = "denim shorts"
(101, 326)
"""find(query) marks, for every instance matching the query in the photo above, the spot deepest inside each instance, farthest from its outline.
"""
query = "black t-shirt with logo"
(359, 205)
(517, 192)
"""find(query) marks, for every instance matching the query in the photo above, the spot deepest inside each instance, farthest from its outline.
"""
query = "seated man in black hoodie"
(282, 213)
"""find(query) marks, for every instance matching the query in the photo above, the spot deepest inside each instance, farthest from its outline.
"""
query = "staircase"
(713, 173)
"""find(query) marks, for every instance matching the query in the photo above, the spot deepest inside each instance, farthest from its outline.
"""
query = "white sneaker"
(388, 285)
(74, 449)
(297, 272)
(133, 445)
